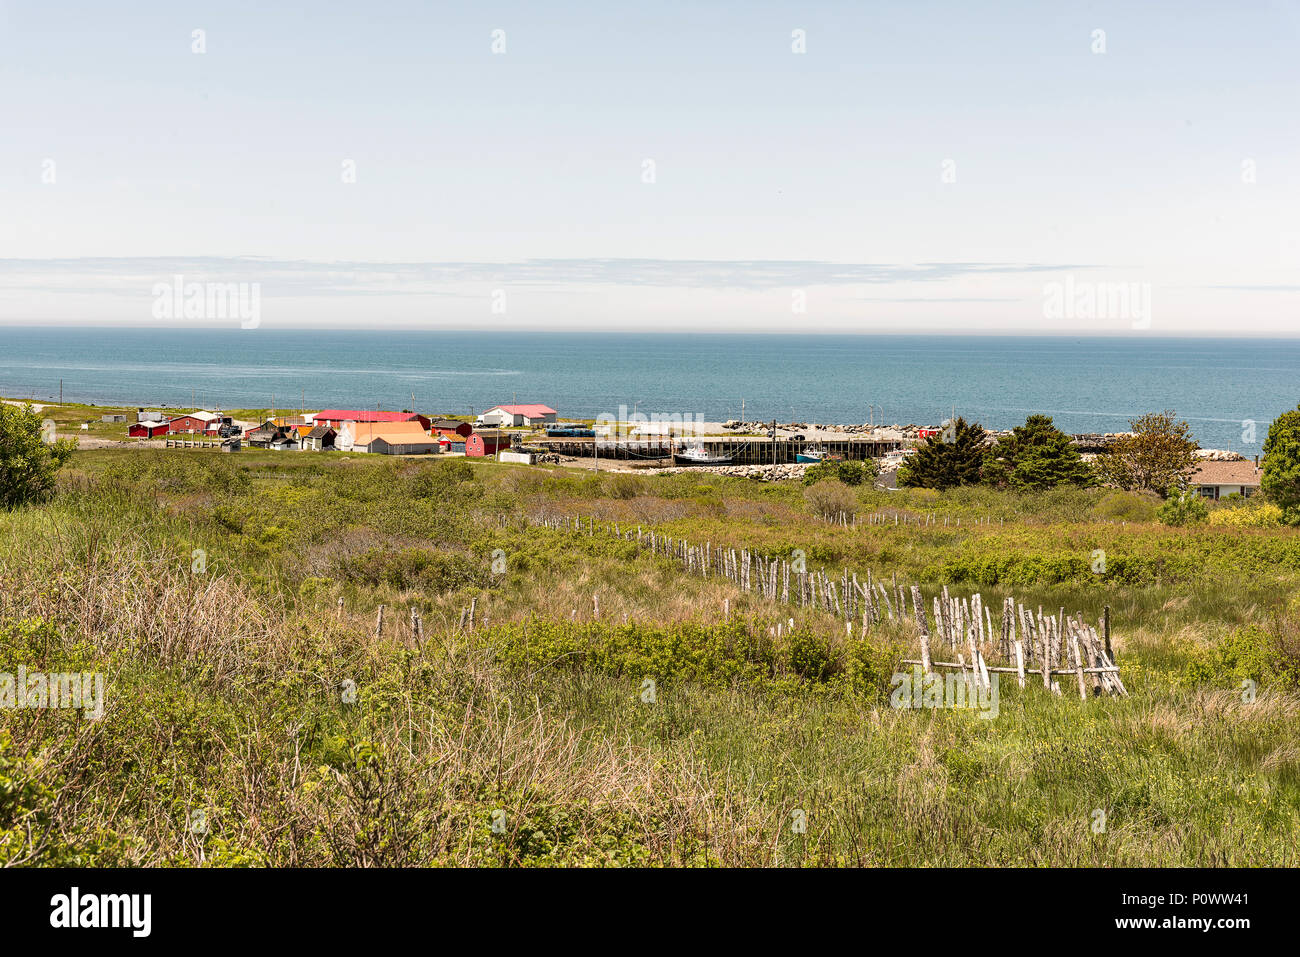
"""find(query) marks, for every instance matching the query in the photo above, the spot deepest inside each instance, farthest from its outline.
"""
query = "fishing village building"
(146, 430)
(335, 418)
(1216, 480)
(518, 415)
(390, 438)
(486, 443)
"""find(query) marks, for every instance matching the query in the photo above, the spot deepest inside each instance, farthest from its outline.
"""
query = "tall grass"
(248, 722)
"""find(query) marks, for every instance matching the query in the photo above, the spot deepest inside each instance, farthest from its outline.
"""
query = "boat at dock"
(699, 455)
(814, 456)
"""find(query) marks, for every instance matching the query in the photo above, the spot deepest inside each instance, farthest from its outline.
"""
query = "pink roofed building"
(334, 418)
(528, 414)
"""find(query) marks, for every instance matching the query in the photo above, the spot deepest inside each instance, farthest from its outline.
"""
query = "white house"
(506, 415)
(1216, 480)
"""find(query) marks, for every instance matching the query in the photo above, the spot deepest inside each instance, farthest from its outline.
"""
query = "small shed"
(321, 437)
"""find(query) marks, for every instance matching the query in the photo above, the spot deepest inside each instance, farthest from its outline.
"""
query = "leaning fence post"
(1078, 664)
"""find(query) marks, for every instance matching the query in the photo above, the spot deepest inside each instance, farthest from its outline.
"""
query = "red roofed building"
(335, 418)
(534, 414)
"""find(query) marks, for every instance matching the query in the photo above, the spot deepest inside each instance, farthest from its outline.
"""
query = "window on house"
(1207, 491)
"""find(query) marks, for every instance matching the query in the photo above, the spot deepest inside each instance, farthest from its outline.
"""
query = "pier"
(744, 450)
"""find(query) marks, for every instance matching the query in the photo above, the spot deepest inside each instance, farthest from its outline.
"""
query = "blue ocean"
(1221, 386)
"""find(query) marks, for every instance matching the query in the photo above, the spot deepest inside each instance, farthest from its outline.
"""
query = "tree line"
(1159, 455)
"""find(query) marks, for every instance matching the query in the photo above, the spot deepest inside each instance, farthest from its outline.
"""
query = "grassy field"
(256, 715)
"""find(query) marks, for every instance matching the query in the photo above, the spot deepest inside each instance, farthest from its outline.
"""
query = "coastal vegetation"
(538, 695)
(29, 459)
(1281, 478)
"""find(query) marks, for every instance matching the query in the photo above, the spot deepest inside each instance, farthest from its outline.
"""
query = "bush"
(29, 459)
(850, 473)
(1126, 507)
(1185, 508)
(439, 479)
(831, 499)
(1247, 516)
(1250, 653)
(623, 486)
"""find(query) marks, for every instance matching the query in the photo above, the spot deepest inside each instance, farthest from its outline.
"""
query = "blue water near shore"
(1086, 384)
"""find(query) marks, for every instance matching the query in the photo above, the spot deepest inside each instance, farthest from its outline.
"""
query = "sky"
(1043, 167)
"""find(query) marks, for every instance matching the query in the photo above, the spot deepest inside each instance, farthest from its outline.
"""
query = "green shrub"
(1183, 508)
(831, 499)
(851, 473)
(1116, 506)
(1250, 653)
(624, 486)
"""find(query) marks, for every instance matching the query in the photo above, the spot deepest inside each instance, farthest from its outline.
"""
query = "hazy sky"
(922, 166)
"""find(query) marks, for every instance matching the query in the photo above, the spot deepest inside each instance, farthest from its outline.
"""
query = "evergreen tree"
(953, 457)
(1281, 478)
(1035, 456)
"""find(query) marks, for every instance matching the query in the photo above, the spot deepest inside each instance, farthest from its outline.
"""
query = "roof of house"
(201, 415)
(448, 423)
(397, 438)
(363, 432)
(319, 432)
(528, 411)
(1226, 473)
(363, 415)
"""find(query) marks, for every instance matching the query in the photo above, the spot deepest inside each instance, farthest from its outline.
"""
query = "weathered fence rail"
(1030, 643)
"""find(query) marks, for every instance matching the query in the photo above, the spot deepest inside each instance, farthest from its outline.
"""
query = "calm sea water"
(1087, 384)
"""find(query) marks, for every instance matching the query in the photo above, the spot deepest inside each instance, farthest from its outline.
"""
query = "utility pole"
(60, 392)
(774, 441)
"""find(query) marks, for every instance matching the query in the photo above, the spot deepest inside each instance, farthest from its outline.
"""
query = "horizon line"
(1000, 332)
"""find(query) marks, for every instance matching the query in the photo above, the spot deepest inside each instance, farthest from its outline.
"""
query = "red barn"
(199, 423)
(479, 444)
(146, 430)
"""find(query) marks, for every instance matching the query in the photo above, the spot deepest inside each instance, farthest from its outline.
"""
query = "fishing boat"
(894, 460)
(699, 455)
(813, 456)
